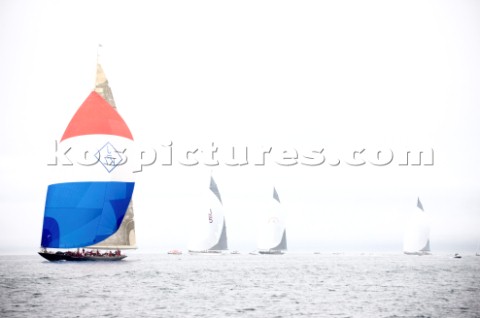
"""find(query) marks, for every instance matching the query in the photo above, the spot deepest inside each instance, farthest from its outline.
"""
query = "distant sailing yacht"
(212, 235)
(89, 205)
(273, 234)
(417, 234)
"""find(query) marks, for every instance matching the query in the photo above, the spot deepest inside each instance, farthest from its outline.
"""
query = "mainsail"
(125, 237)
(417, 234)
(89, 202)
(212, 230)
(273, 234)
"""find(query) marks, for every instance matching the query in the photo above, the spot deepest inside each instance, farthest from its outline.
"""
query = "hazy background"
(339, 75)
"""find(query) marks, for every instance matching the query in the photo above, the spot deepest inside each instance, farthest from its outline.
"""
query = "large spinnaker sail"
(273, 233)
(211, 232)
(87, 201)
(417, 233)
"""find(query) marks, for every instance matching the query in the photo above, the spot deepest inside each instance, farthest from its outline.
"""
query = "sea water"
(291, 285)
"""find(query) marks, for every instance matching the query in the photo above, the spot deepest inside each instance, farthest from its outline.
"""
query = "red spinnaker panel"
(96, 116)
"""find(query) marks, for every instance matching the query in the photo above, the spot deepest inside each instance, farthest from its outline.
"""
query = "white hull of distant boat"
(208, 252)
(416, 253)
(271, 252)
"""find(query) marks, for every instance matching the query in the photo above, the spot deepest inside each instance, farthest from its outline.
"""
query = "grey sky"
(343, 76)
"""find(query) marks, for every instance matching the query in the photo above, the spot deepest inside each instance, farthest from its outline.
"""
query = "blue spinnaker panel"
(79, 214)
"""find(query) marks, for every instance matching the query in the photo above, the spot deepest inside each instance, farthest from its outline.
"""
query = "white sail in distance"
(272, 238)
(210, 235)
(417, 233)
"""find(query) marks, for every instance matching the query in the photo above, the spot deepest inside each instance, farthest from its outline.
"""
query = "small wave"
(246, 309)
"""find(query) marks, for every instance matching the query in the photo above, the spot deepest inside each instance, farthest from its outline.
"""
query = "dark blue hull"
(61, 256)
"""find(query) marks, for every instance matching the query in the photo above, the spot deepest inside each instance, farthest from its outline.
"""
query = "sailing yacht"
(417, 235)
(273, 234)
(211, 237)
(89, 204)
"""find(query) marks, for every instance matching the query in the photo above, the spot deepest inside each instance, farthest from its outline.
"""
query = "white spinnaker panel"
(94, 158)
